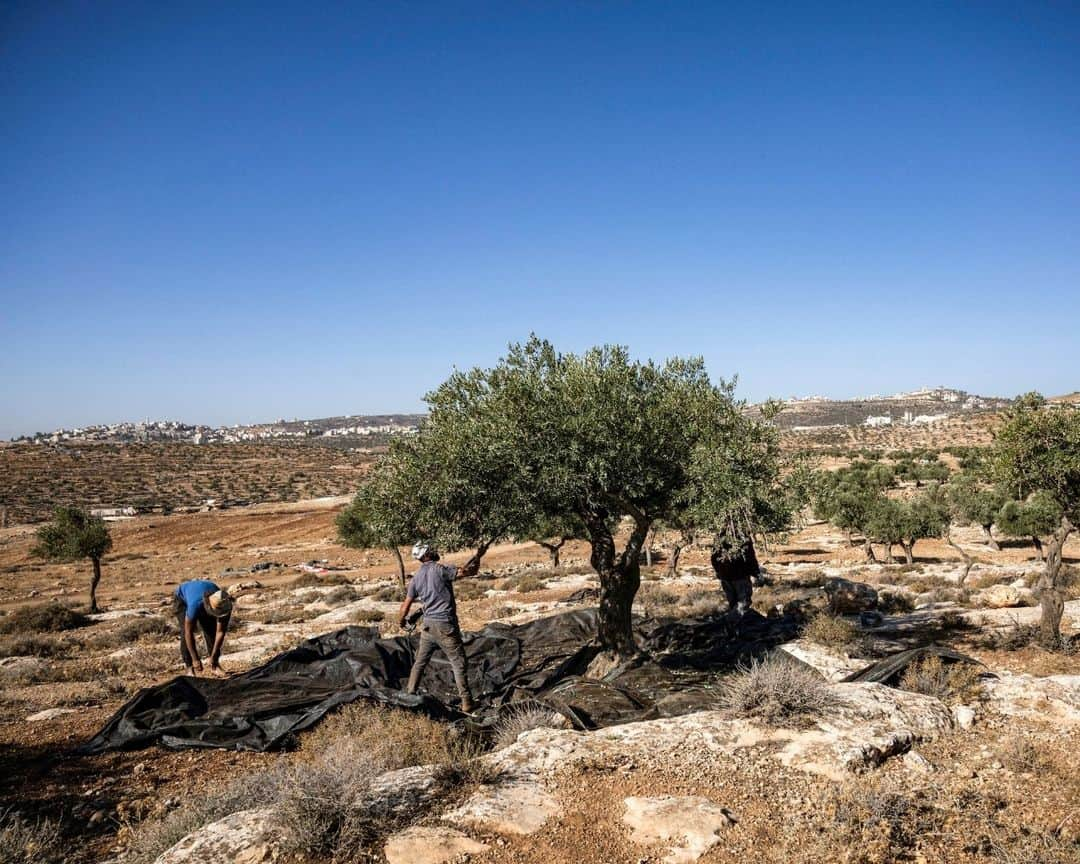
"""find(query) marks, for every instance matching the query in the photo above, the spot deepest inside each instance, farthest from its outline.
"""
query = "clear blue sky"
(229, 212)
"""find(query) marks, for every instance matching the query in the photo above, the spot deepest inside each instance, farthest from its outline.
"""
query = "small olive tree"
(1032, 519)
(974, 502)
(73, 535)
(385, 513)
(1037, 450)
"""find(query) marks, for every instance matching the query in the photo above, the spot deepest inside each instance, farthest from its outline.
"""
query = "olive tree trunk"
(554, 551)
(869, 547)
(1051, 597)
(1038, 544)
(968, 562)
(400, 568)
(909, 551)
(620, 578)
(990, 541)
(94, 583)
(673, 561)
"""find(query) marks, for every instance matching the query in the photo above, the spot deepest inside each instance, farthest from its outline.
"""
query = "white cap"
(420, 550)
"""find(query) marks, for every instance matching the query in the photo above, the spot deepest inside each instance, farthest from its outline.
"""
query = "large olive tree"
(598, 439)
(1037, 449)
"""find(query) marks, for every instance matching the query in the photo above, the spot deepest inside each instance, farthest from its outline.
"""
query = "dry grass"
(832, 631)
(522, 718)
(525, 583)
(340, 595)
(35, 644)
(368, 616)
(949, 682)
(776, 691)
(28, 842)
(315, 580)
(470, 589)
(45, 618)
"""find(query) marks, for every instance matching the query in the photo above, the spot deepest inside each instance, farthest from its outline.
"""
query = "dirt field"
(87, 673)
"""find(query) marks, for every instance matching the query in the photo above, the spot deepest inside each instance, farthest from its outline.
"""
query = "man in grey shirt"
(433, 586)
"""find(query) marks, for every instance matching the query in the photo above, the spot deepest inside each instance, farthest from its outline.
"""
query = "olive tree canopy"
(73, 535)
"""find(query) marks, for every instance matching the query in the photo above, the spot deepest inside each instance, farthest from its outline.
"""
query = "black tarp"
(544, 659)
(891, 669)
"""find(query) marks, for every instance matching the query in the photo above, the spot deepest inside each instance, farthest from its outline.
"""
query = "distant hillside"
(903, 409)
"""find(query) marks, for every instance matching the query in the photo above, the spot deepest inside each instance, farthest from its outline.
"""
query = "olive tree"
(973, 502)
(385, 512)
(73, 535)
(1037, 517)
(597, 438)
(552, 533)
(1037, 450)
(736, 488)
(851, 497)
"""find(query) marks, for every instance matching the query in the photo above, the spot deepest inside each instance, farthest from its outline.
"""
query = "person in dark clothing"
(736, 565)
(433, 586)
(201, 603)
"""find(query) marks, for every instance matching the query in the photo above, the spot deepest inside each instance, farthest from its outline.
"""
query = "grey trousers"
(445, 635)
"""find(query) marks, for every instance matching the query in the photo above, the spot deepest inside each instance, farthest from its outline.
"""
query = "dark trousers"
(205, 622)
(738, 592)
(445, 635)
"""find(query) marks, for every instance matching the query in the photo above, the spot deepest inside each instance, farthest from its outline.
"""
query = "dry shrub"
(880, 823)
(288, 616)
(389, 737)
(45, 618)
(1020, 755)
(368, 616)
(315, 580)
(36, 644)
(832, 631)
(895, 602)
(469, 589)
(1011, 638)
(526, 583)
(1034, 847)
(949, 682)
(700, 602)
(341, 594)
(28, 842)
(776, 690)
(525, 717)
(659, 601)
(387, 594)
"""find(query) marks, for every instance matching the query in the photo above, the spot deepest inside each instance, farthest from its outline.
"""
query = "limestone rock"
(1005, 597)
(964, 716)
(21, 665)
(49, 714)
(246, 837)
(429, 845)
(850, 598)
(1055, 698)
(833, 666)
(520, 806)
(693, 823)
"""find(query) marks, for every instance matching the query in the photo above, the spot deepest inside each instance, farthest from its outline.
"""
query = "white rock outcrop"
(691, 824)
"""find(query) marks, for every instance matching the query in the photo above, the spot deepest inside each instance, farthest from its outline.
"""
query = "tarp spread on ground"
(544, 659)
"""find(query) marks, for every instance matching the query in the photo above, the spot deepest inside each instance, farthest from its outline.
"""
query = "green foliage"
(385, 510)
(972, 502)
(72, 535)
(1038, 448)
(847, 498)
(1036, 517)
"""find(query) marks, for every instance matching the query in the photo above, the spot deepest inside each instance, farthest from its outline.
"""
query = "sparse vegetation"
(518, 719)
(73, 535)
(29, 841)
(777, 690)
(832, 631)
(949, 682)
(44, 618)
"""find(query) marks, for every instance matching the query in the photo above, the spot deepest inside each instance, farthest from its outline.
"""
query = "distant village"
(358, 426)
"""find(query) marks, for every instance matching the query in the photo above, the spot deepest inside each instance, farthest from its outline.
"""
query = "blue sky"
(235, 212)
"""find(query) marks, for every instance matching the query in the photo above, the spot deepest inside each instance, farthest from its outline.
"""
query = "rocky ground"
(969, 772)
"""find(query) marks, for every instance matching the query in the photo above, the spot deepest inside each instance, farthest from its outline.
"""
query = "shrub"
(895, 602)
(341, 594)
(953, 682)
(368, 616)
(289, 616)
(776, 690)
(526, 583)
(46, 618)
(315, 580)
(35, 644)
(521, 718)
(26, 842)
(469, 589)
(832, 631)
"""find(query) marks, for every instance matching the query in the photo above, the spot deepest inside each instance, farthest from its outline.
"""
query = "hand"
(401, 623)
(198, 669)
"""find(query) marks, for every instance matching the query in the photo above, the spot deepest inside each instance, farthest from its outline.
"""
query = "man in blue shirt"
(433, 586)
(200, 602)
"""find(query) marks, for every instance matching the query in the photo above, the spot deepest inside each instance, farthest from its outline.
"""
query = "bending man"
(200, 602)
(433, 586)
